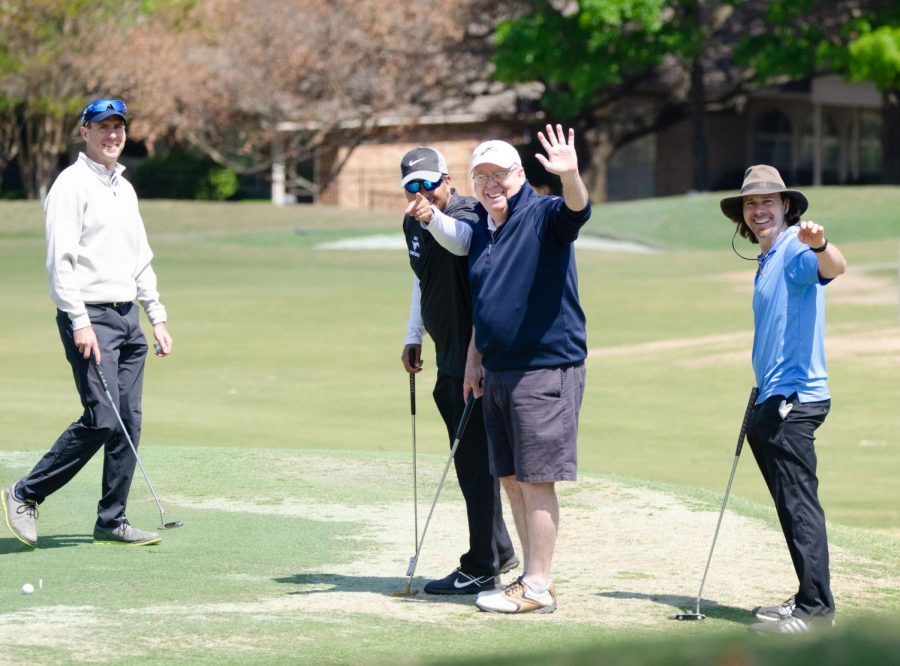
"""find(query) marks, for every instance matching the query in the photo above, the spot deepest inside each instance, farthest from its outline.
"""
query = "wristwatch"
(820, 249)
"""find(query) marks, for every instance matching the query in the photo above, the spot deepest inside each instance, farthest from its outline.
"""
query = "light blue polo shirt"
(789, 322)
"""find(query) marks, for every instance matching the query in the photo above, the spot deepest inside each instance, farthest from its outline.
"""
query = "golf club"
(412, 410)
(697, 615)
(163, 525)
(460, 430)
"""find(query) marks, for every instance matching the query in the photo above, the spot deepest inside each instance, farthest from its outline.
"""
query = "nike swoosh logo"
(415, 162)
(460, 586)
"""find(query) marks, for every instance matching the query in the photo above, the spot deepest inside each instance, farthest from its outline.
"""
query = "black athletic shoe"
(510, 564)
(459, 582)
(775, 613)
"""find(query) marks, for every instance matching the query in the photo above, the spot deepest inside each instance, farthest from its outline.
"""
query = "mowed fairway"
(279, 431)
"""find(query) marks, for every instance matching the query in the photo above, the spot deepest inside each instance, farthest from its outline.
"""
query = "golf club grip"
(464, 420)
(412, 381)
(754, 392)
(93, 363)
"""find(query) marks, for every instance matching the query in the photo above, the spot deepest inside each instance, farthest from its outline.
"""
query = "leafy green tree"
(618, 69)
(875, 56)
(594, 55)
(859, 39)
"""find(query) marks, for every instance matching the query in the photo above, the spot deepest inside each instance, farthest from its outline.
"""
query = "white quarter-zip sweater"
(97, 249)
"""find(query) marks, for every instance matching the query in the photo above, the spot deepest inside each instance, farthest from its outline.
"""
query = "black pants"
(489, 542)
(123, 349)
(785, 452)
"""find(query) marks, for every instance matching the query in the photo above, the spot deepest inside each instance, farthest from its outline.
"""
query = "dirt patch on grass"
(855, 287)
(63, 627)
(627, 557)
(878, 344)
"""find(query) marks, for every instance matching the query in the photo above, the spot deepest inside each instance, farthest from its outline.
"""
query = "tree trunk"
(40, 145)
(699, 141)
(9, 129)
(890, 157)
(599, 148)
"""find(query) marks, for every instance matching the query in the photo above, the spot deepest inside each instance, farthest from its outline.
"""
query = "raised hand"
(420, 209)
(811, 234)
(561, 158)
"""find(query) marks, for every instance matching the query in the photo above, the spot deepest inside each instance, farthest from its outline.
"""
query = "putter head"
(690, 616)
(172, 525)
(408, 592)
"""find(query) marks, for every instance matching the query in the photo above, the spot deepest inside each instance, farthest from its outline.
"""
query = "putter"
(163, 525)
(410, 567)
(460, 431)
(697, 615)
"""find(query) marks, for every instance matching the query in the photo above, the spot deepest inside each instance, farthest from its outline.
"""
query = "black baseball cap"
(422, 163)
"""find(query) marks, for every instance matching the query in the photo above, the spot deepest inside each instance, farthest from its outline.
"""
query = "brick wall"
(370, 180)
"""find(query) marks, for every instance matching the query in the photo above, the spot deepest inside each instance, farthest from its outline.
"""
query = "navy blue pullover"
(525, 285)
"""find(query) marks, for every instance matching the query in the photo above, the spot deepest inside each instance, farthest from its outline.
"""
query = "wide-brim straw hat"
(761, 179)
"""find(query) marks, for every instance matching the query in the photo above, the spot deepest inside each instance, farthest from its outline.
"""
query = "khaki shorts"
(531, 418)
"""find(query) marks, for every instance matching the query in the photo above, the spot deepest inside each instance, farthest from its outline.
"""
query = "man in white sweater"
(98, 262)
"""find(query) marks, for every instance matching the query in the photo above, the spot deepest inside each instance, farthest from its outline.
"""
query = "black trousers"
(123, 349)
(785, 453)
(489, 541)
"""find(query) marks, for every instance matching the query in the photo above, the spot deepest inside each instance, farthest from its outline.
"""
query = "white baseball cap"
(496, 152)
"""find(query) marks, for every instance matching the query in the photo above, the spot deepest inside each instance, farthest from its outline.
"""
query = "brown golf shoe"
(517, 598)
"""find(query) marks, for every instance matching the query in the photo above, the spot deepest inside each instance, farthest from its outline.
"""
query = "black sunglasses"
(414, 186)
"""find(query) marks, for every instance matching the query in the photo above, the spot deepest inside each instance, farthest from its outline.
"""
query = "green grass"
(240, 582)
(257, 547)
(281, 347)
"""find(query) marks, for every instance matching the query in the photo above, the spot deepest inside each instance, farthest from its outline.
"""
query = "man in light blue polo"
(796, 261)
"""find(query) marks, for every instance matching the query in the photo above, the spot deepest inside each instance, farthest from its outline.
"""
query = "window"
(772, 141)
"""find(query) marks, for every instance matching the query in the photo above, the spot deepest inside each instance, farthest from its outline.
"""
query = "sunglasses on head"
(98, 106)
(414, 186)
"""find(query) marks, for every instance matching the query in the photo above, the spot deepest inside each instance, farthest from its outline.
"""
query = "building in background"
(824, 131)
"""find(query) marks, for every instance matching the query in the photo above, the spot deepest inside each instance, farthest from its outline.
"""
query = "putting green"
(286, 375)
(294, 555)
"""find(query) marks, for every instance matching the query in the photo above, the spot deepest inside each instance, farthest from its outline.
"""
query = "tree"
(859, 39)
(218, 75)
(49, 52)
(875, 56)
(222, 83)
(9, 127)
(621, 68)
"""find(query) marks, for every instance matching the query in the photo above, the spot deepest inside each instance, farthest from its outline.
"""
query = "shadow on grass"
(681, 604)
(12, 545)
(389, 586)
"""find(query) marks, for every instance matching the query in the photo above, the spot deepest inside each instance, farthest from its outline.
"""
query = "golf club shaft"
(96, 366)
(412, 411)
(737, 454)
(467, 411)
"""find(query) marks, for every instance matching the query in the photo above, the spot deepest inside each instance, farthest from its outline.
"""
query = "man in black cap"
(795, 262)
(98, 262)
(442, 305)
